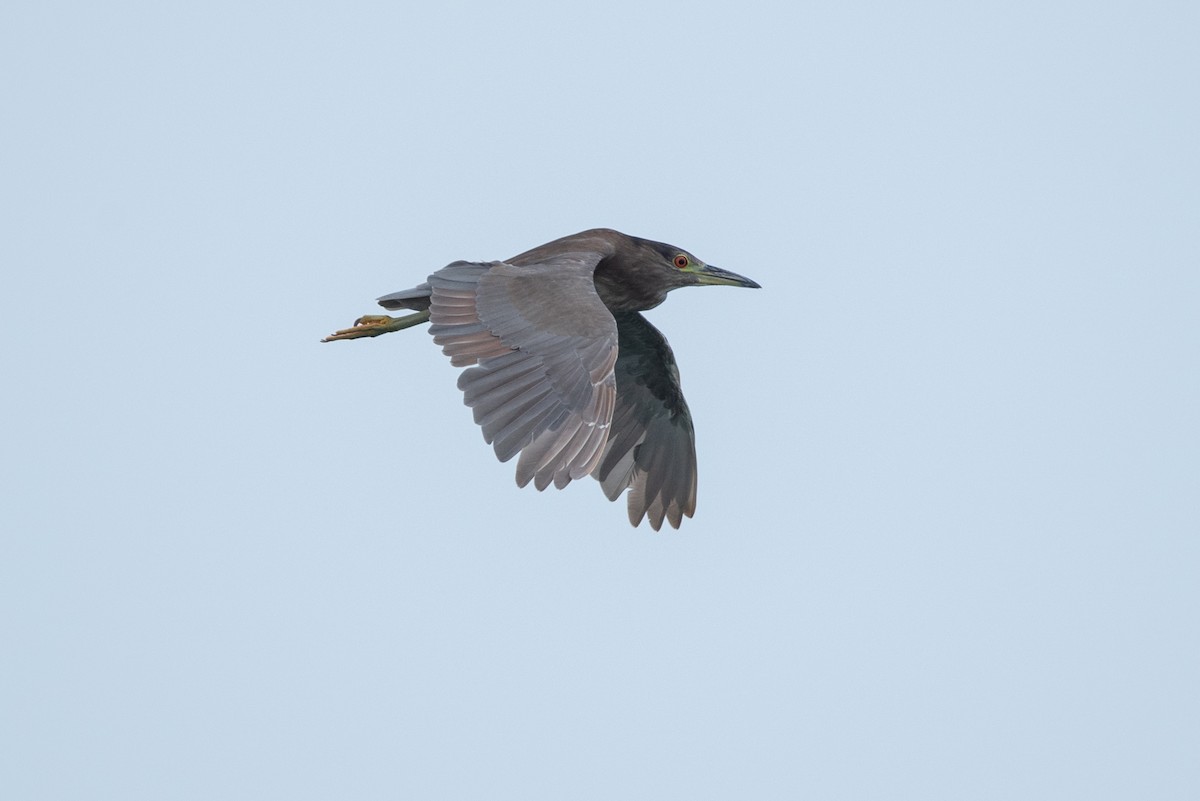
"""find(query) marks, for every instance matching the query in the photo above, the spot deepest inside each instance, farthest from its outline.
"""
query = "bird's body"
(564, 369)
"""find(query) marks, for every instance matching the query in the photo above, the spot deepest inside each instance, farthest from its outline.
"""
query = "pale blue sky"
(946, 541)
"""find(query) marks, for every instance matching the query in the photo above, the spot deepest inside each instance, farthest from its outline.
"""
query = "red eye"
(681, 261)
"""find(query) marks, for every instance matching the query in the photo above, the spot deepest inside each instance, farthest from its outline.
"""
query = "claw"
(369, 325)
(373, 320)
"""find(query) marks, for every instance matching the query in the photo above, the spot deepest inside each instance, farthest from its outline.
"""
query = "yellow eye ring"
(681, 261)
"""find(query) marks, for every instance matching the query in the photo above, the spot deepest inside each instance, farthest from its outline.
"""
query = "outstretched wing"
(543, 346)
(652, 446)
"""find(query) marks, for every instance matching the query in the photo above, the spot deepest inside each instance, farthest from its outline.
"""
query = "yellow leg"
(372, 325)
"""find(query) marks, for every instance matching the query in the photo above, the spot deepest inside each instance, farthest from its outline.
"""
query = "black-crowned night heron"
(566, 372)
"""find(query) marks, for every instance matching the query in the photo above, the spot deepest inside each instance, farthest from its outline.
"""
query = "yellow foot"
(372, 325)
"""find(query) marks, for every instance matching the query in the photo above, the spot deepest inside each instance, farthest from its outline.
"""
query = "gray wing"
(543, 346)
(652, 446)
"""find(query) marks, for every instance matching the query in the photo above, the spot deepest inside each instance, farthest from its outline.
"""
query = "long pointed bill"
(707, 274)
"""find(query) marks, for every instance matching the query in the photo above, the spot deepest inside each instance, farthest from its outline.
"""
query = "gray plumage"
(563, 369)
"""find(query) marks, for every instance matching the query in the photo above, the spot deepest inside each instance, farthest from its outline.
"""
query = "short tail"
(416, 298)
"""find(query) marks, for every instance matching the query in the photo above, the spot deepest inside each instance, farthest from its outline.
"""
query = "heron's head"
(636, 274)
(676, 267)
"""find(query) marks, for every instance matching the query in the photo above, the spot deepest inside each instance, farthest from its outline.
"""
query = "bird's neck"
(621, 295)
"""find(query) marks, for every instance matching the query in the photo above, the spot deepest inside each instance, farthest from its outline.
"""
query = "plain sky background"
(948, 536)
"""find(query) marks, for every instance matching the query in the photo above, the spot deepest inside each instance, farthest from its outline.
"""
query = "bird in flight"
(563, 368)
